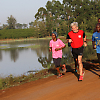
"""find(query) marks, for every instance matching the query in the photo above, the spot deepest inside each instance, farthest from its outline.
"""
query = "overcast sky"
(22, 10)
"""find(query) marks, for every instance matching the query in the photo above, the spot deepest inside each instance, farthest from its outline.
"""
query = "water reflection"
(14, 54)
(18, 61)
(0, 55)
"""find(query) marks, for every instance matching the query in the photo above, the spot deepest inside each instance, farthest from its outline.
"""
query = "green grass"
(3, 47)
(11, 81)
(89, 35)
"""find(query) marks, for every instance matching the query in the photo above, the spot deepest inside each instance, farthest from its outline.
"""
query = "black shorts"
(77, 51)
(57, 62)
(98, 55)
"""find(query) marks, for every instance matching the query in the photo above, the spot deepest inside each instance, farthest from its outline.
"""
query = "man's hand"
(85, 44)
(70, 40)
(94, 46)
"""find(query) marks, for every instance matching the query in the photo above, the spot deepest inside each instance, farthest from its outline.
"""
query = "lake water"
(19, 61)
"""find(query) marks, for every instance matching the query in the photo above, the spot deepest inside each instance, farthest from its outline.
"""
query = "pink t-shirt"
(54, 45)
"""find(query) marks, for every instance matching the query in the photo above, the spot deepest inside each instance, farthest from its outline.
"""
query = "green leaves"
(56, 14)
(11, 22)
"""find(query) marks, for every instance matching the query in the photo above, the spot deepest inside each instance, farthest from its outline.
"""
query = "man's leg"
(98, 55)
(76, 63)
(80, 68)
(74, 52)
(80, 64)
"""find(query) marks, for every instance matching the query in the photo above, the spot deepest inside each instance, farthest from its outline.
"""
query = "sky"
(22, 10)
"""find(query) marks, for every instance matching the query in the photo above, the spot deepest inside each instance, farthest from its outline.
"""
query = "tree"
(19, 26)
(57, 15)
(25, 26)
(5, 26)
(54, 14)
(42, 28)
(41, 14)
(92, 23)
(11, 22)
(63, 28)
(31, 24)
(68, 11)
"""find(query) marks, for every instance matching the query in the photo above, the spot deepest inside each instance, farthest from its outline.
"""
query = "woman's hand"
(50, 49)
(57, 49)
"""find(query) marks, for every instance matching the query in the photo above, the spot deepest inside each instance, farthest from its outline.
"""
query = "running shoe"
(59, 76)
(76, 70)
(83, 73)
(80, 78)
(64, 68)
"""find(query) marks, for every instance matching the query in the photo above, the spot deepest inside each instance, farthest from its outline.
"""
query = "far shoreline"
(22, 39)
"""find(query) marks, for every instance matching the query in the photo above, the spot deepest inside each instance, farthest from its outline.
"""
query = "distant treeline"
(17, 33)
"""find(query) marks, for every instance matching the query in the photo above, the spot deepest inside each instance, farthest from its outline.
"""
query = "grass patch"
(23, 39)
(11, 81)
(3, 47)
(89, 43)
(89, 35)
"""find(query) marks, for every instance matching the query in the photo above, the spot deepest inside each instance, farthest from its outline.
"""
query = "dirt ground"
(66, 88)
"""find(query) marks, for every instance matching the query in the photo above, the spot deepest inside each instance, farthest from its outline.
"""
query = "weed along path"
(66, 88)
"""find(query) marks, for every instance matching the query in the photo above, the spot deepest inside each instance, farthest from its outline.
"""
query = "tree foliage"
(59, 16)
(11, 22)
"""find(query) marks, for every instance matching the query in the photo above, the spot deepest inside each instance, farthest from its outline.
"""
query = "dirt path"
(66, 88)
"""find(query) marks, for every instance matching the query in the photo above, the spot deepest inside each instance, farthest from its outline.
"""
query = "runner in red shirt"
(77, 38)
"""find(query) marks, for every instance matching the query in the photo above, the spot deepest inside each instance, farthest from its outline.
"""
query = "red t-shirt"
(77, 38)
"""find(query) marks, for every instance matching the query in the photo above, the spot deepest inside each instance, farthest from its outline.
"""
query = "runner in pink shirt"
(56, 46)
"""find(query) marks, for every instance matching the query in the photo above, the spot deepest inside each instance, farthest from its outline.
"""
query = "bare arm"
(69, 39)
(60, 48)
(93, 44)
(50, 49)
(85, 43)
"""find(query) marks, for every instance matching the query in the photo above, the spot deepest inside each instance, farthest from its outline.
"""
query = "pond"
(20, 58)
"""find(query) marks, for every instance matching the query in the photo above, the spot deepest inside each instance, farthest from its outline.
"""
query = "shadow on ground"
(69, 69)
(92, 66)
